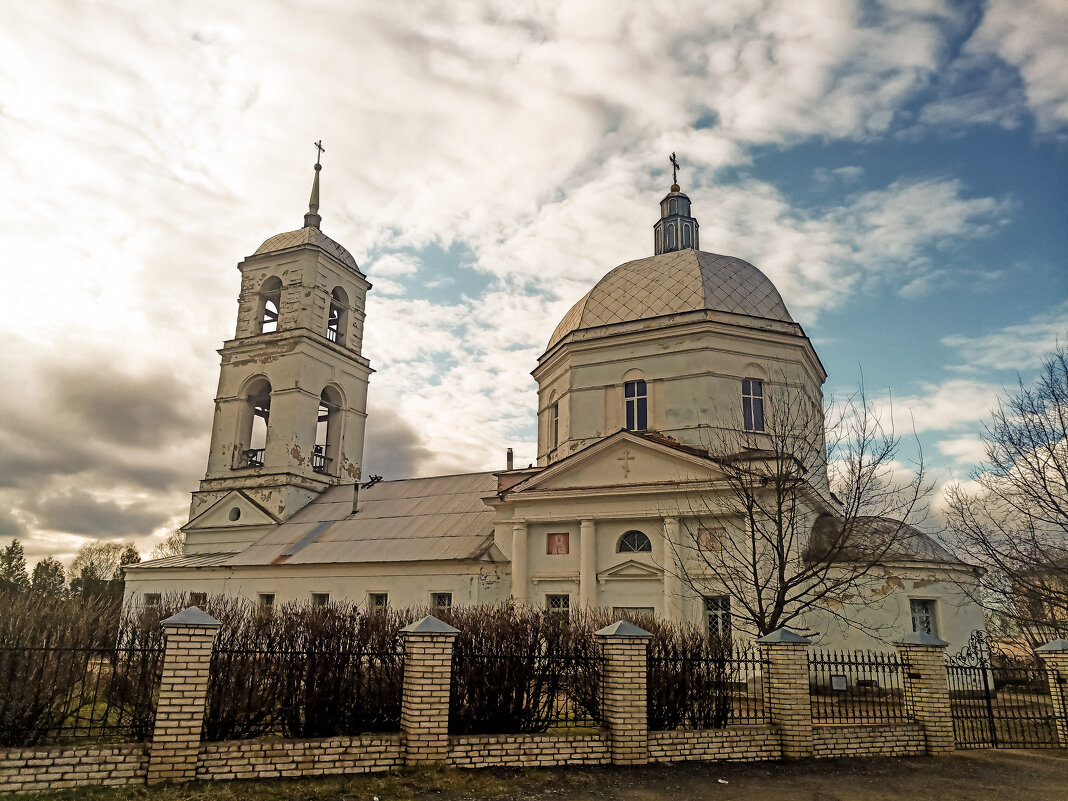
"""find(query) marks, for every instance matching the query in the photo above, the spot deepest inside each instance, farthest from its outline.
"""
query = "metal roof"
(673, 283)
(185, 560)
(415, 519)
(307, 236)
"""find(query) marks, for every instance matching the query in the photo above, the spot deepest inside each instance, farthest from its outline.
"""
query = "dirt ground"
(965, 776)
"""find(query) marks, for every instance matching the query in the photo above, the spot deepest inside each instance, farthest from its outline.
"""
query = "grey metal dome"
(674, 283)
(307, 236)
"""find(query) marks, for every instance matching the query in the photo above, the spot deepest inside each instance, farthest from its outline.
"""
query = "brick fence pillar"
(1054, 656)
(625, 648)
(786, 690)
(183, 689)
(923, 658)
(427, 685)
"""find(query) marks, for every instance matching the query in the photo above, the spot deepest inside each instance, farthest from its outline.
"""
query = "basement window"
(320, 599)
(198, 599)
(152, 599)
(266, 601)
(377, 601)
(441, 600)
(558, 604)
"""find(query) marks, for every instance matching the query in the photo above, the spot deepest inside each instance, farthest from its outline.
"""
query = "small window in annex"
(152, 599)
(637, 405)
(923, 616)
(559, 604)
(557, 544)
(266, 600)
(634, 542)
(718, 613)
(377, 600)
(198, 599)
(320, 598)
(753, 404)
(440, 600)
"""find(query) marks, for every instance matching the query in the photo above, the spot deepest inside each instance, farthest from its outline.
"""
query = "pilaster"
(427, 685)
(183, 691)
(672, 572)
(786, 690)
(923, 657)
(588, 564)
(625, 650)
(520, 562)
(1054, 656)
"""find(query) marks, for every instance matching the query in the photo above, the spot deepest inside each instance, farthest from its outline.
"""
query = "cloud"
(943, 406)
(78, 512)
(393, 448)
(1020, 346)
(967, 449)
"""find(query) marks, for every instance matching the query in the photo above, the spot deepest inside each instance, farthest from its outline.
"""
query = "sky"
(898, 169)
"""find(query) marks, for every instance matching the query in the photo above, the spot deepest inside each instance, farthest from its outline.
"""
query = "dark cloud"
(11, 527)
(392, 448)
(78, 512)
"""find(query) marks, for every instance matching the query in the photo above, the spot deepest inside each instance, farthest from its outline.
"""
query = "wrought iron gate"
(999, 699)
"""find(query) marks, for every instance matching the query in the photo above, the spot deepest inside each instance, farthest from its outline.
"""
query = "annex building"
(674, 375)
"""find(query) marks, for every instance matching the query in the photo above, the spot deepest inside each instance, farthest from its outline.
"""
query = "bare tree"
(172, 545)
(787, 531)
(1014, 517)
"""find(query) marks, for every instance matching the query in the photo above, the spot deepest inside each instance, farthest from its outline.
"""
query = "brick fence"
(176, 752)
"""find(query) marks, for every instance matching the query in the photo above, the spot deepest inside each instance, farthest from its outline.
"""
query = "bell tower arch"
(293, 371)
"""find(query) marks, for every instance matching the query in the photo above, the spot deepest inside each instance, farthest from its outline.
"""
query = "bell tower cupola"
(676, 229)
(290, 410)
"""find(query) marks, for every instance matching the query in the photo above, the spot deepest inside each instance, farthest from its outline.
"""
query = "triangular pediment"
(631, 570)
(233, 510)
(620, 460)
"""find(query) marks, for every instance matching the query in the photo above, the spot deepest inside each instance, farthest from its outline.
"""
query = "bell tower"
(291, 406)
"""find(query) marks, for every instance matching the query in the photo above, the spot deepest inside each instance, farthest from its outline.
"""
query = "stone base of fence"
(887, 739)
(273, 759)
(25, 770)
(529, 750)
(735, 744)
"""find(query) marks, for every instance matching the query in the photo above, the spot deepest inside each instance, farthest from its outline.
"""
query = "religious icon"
(557, 544)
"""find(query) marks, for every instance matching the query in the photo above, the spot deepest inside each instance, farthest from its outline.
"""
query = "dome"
(674, 283)
(307, 236)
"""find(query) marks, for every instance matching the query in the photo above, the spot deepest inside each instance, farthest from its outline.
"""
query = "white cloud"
(944, 406)
(1015, 347)
(967, 449)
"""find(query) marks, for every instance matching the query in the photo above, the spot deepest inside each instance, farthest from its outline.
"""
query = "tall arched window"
(636, 401)
(327, 432)
(269, 301)
(254, 422)
(753, 404)
(634, 542)
(338, 320)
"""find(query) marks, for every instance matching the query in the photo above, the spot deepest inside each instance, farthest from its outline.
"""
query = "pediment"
(233, 510)
(631, 570)
(622, 459)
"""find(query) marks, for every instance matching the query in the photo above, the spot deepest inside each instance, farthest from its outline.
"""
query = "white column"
(588, 564)
(672, 572)
(520, 571)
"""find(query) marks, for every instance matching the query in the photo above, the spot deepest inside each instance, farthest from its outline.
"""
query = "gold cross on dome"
(674, 168)
(319, 150)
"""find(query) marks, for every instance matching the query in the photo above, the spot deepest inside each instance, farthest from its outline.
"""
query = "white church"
(663, 357)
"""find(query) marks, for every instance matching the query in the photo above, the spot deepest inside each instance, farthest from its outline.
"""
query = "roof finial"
(312, 218)
(674, 172)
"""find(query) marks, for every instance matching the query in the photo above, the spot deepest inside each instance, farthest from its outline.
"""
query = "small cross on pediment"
(626, 459)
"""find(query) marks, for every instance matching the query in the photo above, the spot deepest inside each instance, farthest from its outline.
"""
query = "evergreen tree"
(48, 578)
(13, 575)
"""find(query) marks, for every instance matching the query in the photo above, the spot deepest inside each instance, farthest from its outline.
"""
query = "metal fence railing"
(308, 693)
(514, 693)
(706, 691)
(57, 695)
(856, 687)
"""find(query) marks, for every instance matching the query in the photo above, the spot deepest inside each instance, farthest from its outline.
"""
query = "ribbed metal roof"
(307, 236)
(416, 519)
(673, 283)
(185, 560)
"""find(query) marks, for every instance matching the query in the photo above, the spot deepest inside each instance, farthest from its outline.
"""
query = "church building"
(670, 373)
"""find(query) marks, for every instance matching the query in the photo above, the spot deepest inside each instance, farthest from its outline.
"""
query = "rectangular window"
(554, 425)
(637, 405)
(559, 604)
(440, 600)
(718, 612)
(648, 611)
(320, 598)
(377, 600)
(266, 600)
(753, 404)
(557, 544)
(198, 599)
(923, 616)
(153, 599)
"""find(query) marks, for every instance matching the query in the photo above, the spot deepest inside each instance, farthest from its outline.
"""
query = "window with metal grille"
(266, 600)
(152, 599)
(923, 616)
(320, 598)
(558, 603)
(198, 599)
(753, 404)
(718, 612)
(377, 600)
(441, 600)
(636, 400)
(634, 542)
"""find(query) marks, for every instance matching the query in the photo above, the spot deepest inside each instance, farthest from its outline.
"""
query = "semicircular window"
(634, 542)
